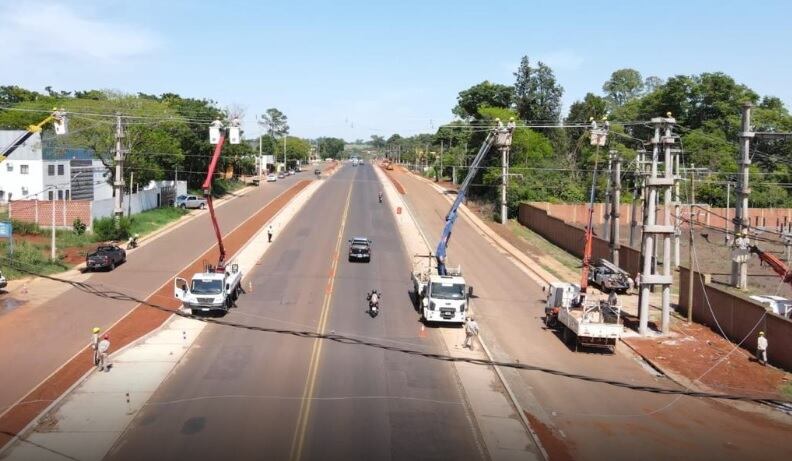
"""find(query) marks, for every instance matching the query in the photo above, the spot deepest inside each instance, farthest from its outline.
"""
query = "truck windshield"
(448, 291)
(206, 287)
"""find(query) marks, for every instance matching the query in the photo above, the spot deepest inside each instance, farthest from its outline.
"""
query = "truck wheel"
(112, 266)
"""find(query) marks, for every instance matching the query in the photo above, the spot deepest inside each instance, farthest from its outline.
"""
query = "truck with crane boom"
(441, 293)
(588, 322)
(217, 287)
(58, 119)
(777, 305)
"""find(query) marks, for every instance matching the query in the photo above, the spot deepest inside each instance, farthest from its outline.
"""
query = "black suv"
(360, 249)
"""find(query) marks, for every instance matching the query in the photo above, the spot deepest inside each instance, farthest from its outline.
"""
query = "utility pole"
(637, 194)
(131, 183)
(726, 218)
(53, 251)
(118, 184)
(606, 224)
(652, 231)
(615, 207)
(504, 218)
(261, 159)
(677, 211)
(739, 269)
(690, 245)
(440, 176)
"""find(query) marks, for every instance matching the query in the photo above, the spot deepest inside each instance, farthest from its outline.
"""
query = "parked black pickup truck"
(105, 257)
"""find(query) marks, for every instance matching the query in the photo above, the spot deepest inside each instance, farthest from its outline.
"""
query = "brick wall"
(740, 319)
(40, 212)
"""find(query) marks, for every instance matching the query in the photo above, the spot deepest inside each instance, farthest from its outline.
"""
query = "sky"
(353, 69)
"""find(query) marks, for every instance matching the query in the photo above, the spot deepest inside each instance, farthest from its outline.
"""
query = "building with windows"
(44, 170)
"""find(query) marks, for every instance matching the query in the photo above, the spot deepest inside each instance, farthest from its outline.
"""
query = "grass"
(786, 390)
(151, 220)
(545, 246)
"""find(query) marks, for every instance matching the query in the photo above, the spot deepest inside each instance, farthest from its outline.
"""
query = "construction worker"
(612, 298)
(95, 344)
(102, 348)
(498, 124)
(511, 125)
(471, 330)
(269, 234)
(761, 349)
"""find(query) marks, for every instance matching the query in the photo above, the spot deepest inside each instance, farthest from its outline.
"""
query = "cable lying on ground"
(119, 296)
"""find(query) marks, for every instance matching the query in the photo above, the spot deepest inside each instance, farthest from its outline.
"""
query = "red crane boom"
(778, 266)
(207, 190)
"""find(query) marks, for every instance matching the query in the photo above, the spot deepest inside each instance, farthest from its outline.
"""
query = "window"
(24, 192)
(50, 170)
(9, 166)
(60, 195)
(49, 195)
(23, 169)
(60, 170)
(68, 194)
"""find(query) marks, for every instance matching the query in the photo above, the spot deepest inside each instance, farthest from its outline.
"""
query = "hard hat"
(591, 119)
(668, 114)
(96, 329)
(604, 117)
(137, 235)
(511, 118)
(497, 118)
(761, 333)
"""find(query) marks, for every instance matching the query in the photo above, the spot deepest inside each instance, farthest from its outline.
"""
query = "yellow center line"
(313, 369)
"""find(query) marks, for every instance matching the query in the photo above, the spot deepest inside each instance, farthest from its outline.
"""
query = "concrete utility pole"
(690, 245)
(53, 251)
(677, 212)
(653, 231)
(615, 206)
(118, 184)
(739, 272)
(131, 183)
(637, 194)
(504, 218)
(606, 214)
(726, 218)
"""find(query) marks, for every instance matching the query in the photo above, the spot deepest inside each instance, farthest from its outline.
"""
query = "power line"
(342, 339)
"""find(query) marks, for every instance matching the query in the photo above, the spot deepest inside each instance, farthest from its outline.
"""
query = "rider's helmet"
(96, 330)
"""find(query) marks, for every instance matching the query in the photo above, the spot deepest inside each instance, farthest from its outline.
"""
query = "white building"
(46, 171)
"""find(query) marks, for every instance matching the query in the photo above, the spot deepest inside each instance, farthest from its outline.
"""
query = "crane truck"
(589, 322)
(217, 288)
(440, 292)
(777, 305)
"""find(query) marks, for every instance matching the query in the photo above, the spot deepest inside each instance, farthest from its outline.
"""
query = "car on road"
(271, 178)
(3, 281)
(317, 172)
(190, 201)
(105, 257)
(291, 172)
(281, 175)
(360, 249)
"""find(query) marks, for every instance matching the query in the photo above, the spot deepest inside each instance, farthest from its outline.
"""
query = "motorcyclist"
(380, 197)
(133, 241)
(373, 299)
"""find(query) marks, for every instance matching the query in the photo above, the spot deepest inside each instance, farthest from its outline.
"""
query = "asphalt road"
(587, 421)
(247, 395)
(36, 340)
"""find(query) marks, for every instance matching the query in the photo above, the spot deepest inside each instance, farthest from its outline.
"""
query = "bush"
(106, 229)
(78, 226)
(25, 228)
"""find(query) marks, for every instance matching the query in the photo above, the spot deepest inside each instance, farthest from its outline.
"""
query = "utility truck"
(218, 286)
(441, 293)
(589, 322)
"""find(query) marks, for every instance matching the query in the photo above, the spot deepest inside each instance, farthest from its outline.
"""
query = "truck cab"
(210, 291)
(442, 298)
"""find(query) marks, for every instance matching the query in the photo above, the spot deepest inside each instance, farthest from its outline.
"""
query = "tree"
(652, 83)
(14, 95)
(484, 94)
(330, 147)
(276, 122)
(624, 84)
(378, 142)
(537, 95)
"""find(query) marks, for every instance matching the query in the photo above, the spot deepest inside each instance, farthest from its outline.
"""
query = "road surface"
(252, 395)
(581, 420)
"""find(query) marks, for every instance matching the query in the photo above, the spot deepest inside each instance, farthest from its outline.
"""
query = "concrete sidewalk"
(86, 422)
(506, 433)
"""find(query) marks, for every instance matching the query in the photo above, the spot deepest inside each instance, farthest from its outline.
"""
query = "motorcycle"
(132, 242)
(380, 197)
(373, 305)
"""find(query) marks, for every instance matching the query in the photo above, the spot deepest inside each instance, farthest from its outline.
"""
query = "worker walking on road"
(102, 349)
(471, 330)
(761, 348)
(269, 234)
(95, 344)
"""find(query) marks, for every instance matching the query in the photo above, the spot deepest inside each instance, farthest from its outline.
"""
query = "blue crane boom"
(500, 137)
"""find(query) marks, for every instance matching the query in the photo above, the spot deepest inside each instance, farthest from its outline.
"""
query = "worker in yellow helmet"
(95, 344)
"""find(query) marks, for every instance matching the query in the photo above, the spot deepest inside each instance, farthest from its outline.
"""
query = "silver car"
(190, 201)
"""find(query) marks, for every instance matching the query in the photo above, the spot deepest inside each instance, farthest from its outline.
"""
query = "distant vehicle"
(328, 159)
(271, 178)
(291, 172)
(3, 281)
(105, 257)
(317, 172)
(609, 277)
(190, 201)
(354, 162)
(777, 304)
(360, 249)
(281, 175)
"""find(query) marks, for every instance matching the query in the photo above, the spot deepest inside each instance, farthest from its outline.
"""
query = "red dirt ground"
(140, 321)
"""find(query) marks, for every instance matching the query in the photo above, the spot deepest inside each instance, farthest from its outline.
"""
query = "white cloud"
(52, 31)
(561, 60)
